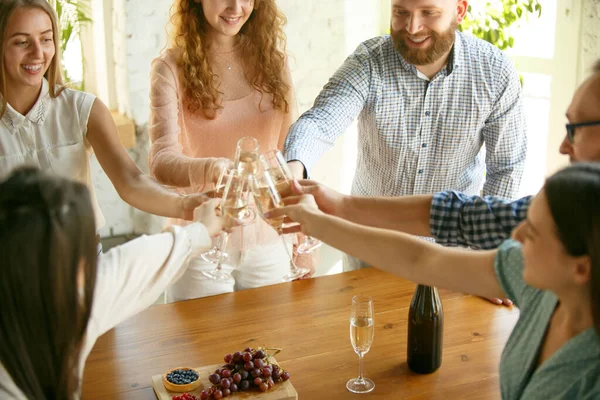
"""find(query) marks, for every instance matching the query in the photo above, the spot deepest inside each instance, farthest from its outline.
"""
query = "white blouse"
(129, 279)
(52, 136)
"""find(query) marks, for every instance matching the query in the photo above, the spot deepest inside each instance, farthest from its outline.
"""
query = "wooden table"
(309, 320)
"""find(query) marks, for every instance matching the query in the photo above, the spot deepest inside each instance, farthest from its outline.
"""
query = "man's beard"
(441, 44)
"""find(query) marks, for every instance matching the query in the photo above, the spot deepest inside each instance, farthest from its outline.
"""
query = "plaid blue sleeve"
(339, 103)
(505, 136)
(478, 222)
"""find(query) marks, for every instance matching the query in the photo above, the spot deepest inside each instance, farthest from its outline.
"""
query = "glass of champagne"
(246, 156)
(362, 329)
(273, 160)
(233, 208)
(215, 254)
(267, 197)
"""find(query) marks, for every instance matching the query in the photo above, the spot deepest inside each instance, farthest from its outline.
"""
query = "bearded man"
(427, 98)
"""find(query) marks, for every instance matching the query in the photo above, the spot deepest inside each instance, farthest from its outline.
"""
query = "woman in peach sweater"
(224, 77)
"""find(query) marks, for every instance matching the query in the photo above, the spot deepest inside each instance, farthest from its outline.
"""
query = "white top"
(129, 279)
(52, 136)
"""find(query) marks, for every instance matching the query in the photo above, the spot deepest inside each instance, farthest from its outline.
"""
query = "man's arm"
(452, 218)
(477, 222)
(505, 136)
(338, 104)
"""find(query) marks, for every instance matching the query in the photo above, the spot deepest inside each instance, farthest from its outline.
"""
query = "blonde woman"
(224, 77)
(45, 124)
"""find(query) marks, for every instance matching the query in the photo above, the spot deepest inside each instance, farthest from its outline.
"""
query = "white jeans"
(250, 268)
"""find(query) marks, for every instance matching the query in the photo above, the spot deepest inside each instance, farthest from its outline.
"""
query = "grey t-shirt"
(573, 372)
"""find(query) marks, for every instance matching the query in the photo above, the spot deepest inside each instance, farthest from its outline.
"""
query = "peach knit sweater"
(186, 145)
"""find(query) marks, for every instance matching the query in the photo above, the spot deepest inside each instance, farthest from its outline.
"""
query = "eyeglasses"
(571, 128)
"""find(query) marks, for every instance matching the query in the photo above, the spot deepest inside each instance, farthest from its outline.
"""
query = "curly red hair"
(263, 51)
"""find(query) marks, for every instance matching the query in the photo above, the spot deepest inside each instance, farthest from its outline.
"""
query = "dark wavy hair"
(54, 74)
(573, 196)
(263, 44)
(48, 247)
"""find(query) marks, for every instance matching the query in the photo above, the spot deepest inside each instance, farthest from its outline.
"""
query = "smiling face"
(226, 17)
(28, 48)
(423, 31)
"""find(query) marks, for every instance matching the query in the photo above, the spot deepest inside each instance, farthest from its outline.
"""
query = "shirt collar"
(453, 58)
(37, 115)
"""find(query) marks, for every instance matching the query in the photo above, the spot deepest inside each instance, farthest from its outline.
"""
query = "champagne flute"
(362, 329)
(281, 174)
(215, 254)
(267, 197)
(246, 156)
(233, 207)
(246, 162)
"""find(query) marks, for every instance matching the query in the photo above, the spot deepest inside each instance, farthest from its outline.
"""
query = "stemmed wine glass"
(282, 176)
(267, 197)
(362, 329)
(218, 251)
(246, 162)
(233, 208)
(246, 156)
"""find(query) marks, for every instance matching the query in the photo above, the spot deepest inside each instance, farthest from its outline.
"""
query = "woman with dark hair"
(224, 77)
(45, 123)
(550, 269)
(57, 296)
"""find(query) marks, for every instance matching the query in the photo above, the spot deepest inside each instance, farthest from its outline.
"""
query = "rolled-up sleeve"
(479, 222)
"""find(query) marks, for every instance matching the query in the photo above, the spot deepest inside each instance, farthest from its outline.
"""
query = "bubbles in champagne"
(362, 330)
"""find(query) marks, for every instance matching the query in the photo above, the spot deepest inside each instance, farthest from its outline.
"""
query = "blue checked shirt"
(417, 136)
(478, 222)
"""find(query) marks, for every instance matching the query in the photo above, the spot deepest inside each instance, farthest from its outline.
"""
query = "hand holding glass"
(233, 208)
(275, 163)
(215, 254)
(267, 197)
(362, 329)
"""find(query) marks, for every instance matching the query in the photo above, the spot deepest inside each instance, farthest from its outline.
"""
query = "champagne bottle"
(425, 330)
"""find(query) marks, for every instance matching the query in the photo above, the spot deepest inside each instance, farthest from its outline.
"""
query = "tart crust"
(181, 388)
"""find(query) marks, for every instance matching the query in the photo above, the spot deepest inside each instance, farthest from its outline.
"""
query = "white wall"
(590, 36)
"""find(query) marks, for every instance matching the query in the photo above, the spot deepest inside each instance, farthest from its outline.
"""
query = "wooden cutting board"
(281, 390)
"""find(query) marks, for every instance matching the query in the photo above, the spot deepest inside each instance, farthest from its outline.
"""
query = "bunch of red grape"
(185, 396)
(243, 371)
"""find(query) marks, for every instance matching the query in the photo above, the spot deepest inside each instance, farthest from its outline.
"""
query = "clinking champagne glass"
(267, 197)
(362, 329)
(246, 161)
(215, 254)
(283, 178)
(233, 208)
(246, 156)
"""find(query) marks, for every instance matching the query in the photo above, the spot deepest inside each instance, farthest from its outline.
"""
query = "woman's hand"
(208, 215)
(188, 204)
(220, 166)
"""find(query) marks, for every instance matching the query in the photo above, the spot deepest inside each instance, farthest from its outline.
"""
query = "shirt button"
(424, 145)
(420, 171)
(427, 113)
